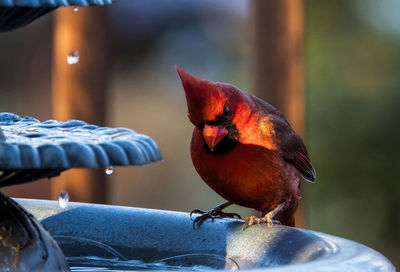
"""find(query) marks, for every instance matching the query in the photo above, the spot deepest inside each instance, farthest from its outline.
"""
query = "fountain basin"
(164, 237)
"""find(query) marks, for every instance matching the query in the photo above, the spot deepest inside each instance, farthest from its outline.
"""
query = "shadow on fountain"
(15, 17)
(24, 244)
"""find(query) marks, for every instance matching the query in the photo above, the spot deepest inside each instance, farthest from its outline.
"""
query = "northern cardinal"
(245, 150)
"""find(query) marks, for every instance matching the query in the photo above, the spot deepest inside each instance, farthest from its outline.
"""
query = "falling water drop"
(76, 9)
(63, 199)
(109, 170)
(73, 57)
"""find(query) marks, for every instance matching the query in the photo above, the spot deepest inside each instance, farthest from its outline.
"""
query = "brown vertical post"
(33, 95)
(278, 74)
(278, 56)
(79, 90)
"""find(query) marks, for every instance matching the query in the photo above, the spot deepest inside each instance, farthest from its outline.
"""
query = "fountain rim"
(345, 254)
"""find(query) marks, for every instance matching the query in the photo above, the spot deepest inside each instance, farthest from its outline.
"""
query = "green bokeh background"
(353, 84)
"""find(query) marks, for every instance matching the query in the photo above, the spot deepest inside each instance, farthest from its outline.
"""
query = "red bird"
(245, 150)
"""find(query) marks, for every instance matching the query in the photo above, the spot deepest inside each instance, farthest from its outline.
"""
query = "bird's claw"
(253, 220)
(214, 213)
(196, 211)
(199, 219)
(268, 218)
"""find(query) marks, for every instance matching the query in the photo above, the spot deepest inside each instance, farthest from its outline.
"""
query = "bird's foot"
(214, 213)
(254, 220)
(268, 218)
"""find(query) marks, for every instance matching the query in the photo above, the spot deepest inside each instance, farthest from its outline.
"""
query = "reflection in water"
(85, 254)
(212, 261)
(185, 262)
(79, 246)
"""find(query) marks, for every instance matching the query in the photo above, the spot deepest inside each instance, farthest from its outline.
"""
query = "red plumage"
(244, 149)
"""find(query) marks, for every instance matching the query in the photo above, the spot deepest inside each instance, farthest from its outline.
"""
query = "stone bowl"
(151, 239)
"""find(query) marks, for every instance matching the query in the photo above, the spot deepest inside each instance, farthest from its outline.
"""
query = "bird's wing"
(293, 148)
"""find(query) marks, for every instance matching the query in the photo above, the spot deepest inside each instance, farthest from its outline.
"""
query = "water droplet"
(73, 57)
(76, 9)
(63, 199)
(109, 170)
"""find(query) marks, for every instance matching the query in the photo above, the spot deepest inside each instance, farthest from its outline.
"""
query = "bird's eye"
(226, 111)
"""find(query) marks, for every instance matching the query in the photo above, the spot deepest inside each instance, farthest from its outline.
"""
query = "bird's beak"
(213, 135)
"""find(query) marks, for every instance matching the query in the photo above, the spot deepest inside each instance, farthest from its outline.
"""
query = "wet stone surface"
(31, 144)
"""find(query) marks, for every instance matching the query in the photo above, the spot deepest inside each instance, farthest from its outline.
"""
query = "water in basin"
(90, 255)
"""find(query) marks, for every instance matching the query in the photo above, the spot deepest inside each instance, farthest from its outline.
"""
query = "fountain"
(124, 238)
(116, 238)
(30, 150)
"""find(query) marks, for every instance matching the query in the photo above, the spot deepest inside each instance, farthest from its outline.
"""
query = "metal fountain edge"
(261, 247)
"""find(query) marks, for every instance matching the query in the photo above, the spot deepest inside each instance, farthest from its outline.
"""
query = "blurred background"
(342, 94)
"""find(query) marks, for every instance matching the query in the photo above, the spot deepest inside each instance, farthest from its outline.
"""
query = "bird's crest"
(205, 99)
